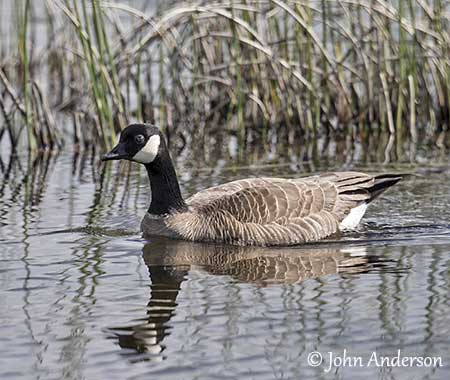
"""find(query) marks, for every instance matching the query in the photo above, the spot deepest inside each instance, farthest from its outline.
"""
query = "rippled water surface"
(85, 297)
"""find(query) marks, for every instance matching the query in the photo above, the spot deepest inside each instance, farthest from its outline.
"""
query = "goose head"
(138, 142)
(144, 143)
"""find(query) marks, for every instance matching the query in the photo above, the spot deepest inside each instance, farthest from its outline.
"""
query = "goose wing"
(216, 192)
(273, 211)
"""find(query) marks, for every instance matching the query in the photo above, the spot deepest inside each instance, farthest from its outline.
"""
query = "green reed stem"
(23, 38)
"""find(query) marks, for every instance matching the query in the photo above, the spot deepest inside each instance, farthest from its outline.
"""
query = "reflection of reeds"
(250, 68)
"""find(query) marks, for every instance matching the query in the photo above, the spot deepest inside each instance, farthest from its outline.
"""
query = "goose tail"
(382, 183)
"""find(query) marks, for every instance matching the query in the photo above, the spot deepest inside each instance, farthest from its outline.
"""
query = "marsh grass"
(261, 70)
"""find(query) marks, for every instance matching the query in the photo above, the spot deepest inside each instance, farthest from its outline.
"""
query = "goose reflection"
(170, 261)
(143, 341)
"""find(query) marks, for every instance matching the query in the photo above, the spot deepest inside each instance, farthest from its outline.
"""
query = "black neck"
(166, 195)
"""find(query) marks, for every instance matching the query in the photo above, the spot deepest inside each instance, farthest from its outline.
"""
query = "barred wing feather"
(272, 210)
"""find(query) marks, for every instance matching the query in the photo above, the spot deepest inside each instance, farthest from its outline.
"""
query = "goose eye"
(139, 139)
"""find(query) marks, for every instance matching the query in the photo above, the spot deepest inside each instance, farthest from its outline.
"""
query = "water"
(84, 296)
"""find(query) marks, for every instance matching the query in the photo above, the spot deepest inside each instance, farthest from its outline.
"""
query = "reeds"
(255, 69)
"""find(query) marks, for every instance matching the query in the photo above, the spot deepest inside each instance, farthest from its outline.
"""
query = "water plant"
(259, 70)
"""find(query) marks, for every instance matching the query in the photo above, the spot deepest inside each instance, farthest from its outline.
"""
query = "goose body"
(255, 211)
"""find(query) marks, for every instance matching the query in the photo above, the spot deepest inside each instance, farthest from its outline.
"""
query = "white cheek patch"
(150, 150)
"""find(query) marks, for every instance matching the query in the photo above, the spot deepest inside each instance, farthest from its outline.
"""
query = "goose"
(253, 211)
